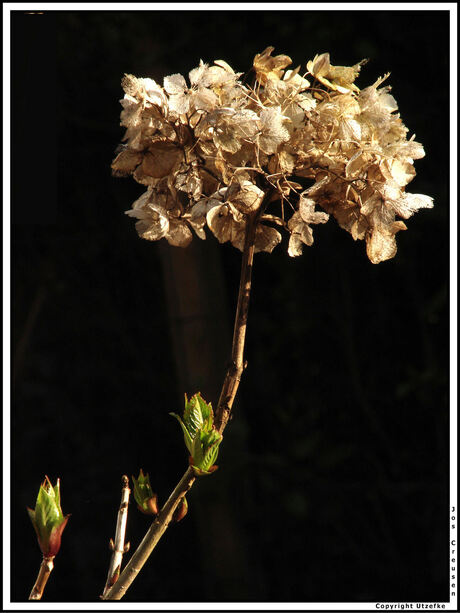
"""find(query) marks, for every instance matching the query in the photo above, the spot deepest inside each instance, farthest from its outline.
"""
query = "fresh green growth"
(200, 435)
(48, 519)
(145, 498)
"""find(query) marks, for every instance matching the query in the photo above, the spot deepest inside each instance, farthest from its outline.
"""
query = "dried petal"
(320, 65)
(409, 204)
(266, 239)
(299, 225)
(245, 196)
(153, 221)
(175, 84)
(196, 75)
(338, 78)
(179, 234)
(225, 227)
(270, 68)
(381, 242)
(401, 172)
(125, 163)
(293, 78)
(224, 65)
(308, 213)
(273, 131)
(160, 159)
(131, 84)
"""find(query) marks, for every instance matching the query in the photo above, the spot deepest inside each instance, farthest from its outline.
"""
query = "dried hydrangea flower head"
(214, 150)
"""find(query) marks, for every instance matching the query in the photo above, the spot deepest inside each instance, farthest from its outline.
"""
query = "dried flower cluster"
(216, 150)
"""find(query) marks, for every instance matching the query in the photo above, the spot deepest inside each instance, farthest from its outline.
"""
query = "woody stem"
(236, 367)
(43, 575)
(118, 546)
(150, 540)
(223, 411)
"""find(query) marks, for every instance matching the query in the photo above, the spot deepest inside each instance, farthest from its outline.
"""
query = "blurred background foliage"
(333, 478)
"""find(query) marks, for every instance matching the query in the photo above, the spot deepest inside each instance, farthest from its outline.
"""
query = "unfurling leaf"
(201, 437)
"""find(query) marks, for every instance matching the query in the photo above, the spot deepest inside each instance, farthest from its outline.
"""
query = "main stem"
(223, 411)
(236, 367)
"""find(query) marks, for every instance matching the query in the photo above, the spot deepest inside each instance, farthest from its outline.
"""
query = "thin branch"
(222, 415)
(46, 567)
(150, 540)
(118, 547)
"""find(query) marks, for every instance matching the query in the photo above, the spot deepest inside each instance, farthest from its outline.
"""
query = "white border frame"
(203, 606)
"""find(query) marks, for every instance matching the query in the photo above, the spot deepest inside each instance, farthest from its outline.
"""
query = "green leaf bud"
(200, 435)
(145, 498)
(47, 518)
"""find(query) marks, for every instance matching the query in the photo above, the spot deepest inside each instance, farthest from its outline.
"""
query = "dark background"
(333, 476)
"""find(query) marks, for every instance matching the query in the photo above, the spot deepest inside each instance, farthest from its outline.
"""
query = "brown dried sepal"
(268, 67)
(160, 159)
(126, 163)
(245, 196)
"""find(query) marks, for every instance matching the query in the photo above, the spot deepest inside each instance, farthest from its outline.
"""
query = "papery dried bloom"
(294, 149)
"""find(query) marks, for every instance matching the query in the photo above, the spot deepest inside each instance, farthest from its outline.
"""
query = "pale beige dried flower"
(211, 149)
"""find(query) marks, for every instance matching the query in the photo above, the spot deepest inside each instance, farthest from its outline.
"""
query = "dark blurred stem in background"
(24, 340)
(200, 334)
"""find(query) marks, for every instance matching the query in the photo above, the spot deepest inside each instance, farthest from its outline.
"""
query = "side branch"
(118, 547)
(150, 540)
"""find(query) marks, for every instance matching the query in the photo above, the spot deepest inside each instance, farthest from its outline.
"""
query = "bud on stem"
(48, 519)
(145, 498)
(181, 510)
(200, 434)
